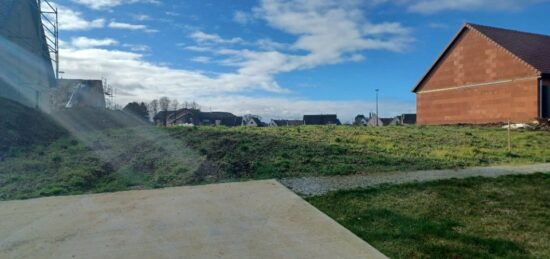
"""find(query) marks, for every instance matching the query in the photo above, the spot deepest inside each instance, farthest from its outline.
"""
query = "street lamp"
(377, 115)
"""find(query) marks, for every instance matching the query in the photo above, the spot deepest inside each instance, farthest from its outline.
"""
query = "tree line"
(163, 104)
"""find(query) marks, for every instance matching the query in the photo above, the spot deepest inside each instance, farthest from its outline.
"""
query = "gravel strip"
(313, 186)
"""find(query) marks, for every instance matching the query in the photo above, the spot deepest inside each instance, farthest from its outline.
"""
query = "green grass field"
(507, 217)
(103, 161)
(149, 157)
(259, 153)
(103, 151)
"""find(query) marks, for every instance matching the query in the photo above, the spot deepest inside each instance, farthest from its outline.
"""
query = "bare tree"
(175, 107)
(153, 108)
(164, 103)
(194, 106)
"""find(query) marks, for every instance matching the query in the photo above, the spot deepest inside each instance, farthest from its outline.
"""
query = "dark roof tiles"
(532, 48)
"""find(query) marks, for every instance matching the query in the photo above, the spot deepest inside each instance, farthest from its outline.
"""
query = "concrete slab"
(259, 219)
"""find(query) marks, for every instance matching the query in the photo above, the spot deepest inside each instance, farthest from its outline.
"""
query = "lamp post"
(377, 115)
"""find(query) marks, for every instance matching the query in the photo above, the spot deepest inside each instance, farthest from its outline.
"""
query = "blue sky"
(275, 58)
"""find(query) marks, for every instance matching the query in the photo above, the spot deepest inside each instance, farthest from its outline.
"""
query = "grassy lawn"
(89, 150)
(259, 153)
(148, 157)
(98, 161)
(507, 217)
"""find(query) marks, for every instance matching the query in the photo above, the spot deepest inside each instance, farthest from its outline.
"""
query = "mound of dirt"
(23, 126)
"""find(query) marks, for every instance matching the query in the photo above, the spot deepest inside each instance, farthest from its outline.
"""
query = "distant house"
(280, 123)
(487, 75)
(404, 119)
(252, 122)
(361, 120)
(161, 116)
(328, 119)
(375, 121)
(194, 117)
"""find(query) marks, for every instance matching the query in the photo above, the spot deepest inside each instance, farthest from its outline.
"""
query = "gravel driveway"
(313, 186)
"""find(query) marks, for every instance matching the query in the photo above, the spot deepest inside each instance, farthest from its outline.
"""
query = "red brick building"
(487, 75)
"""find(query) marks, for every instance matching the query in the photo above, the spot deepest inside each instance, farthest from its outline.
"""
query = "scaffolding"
(29, 51)
(50, 24)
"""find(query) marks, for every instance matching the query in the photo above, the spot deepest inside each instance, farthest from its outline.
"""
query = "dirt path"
(313, 186)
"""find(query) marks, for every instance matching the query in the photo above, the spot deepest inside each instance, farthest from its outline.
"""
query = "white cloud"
(137, 78)
(242, 18)
(129, 26)
(169, 13)
(325, 32)
(137, 47)
(142, 17)
(70, 20)
(330, 29)
(356, 58)
(105, 4)
(392, 28)
(329, 32)
(84, 42)
(201, 59)
(268, 44)
(198, 48)
(202, 37)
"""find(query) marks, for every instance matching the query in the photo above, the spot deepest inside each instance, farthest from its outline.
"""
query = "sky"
(278, 59)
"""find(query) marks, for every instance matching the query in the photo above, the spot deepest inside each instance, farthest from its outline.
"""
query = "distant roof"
(409, 118)
(288, 122)
(161, 114)
(386, 121)
(330, 116)
(321, 119)
(532, 48)
(280, 122)
(214, 115)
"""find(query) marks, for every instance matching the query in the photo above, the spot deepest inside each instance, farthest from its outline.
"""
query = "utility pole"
(377, 115)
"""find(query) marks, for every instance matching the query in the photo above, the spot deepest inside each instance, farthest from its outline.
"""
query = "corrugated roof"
(533, 49)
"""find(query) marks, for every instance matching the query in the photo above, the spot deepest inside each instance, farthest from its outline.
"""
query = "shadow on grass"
(393, 233)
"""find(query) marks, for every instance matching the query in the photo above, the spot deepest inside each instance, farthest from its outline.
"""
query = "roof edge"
(471, 26)
(441, 55)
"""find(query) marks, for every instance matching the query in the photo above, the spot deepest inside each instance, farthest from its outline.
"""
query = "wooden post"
(509, 137)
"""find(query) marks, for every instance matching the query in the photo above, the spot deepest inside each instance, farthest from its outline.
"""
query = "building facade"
(26, 74)
(72, 93)
(487, 75)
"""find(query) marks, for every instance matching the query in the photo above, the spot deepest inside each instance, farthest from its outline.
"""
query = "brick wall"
(516, 101)
(478, 82)
(474, 59)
